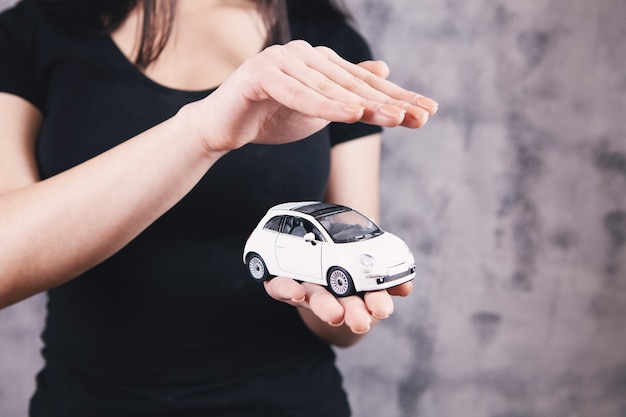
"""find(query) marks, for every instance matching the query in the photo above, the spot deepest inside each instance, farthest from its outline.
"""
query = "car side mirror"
(309, 238)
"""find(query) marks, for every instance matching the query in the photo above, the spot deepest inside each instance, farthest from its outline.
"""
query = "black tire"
(257, 268)
(340, 282)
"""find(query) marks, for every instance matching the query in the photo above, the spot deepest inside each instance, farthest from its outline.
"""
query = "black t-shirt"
(172, 324)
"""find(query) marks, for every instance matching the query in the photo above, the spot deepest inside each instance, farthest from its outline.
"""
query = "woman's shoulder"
(23, 38)
(31, 42)
(27, 24)
(24, 14)
(18, 15)
(35, 19)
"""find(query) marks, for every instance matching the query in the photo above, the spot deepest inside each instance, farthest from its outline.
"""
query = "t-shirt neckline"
(126, 64)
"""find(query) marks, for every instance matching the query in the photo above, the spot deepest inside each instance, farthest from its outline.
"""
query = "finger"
(363, 80)
(289, 91)
(356, 314)
(302, 76)
(324, 305)
(402, 290)
(379, 304)
(285, 289)
(379, 68)
(314, 70)
(379, 83)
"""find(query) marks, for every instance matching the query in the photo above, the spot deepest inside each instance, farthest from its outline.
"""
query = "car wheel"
(339, 282)
(257, 268)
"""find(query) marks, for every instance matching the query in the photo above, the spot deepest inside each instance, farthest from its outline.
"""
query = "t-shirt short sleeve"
(351, 46)
(355, 49)
(18, 72)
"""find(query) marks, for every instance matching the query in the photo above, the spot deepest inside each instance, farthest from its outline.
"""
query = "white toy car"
(327, 244)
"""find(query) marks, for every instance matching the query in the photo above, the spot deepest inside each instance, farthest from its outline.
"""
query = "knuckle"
(260, 60)
(353, 83)
(325, 85)
(297, 95)
(393, 102)
(272, 51)
(298, 44)
(325, 50)
(370, 78)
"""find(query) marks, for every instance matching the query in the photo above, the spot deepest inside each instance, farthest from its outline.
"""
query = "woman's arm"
(355, 175)
(52, 230)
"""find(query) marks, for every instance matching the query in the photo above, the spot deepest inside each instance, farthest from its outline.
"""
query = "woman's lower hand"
(288, 92)
(355, 314)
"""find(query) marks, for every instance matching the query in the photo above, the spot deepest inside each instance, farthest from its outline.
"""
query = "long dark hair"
(158, 18)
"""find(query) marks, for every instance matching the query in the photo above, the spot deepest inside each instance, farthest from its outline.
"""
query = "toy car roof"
(312, 208)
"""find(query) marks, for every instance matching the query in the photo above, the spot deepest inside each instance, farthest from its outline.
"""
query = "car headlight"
(367, 261)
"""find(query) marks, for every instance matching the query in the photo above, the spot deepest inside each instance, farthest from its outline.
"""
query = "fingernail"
(353, 108)
(336, 324)
(362, 331)
(382, 317)
(392, 111)
(298, 300)
(427, 103)
(420, 115)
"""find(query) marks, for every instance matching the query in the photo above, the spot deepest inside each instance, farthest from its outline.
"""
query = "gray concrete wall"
(513, 199)
(20, 326)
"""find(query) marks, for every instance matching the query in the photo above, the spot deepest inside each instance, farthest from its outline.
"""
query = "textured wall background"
(513, 200)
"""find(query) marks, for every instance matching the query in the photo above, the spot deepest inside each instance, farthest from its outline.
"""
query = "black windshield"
(348, 225)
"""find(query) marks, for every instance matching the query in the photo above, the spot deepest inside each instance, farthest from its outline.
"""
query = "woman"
(129, 182)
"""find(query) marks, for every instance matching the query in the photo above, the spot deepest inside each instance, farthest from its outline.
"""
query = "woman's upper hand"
(339, 321)
(288, 92)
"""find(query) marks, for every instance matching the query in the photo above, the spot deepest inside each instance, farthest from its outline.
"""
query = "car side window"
(300, 227)
(318, 235)
(273, 223)
(288, 225)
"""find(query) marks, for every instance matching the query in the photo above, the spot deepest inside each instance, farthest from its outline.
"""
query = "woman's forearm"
(53, 230)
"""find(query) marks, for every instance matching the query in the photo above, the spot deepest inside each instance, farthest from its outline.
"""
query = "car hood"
(385, 246)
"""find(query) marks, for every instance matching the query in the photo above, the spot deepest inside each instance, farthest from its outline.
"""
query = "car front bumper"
(390, 278)
(382, 279)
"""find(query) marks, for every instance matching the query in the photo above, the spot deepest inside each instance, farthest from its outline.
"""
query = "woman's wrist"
(194, 123)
